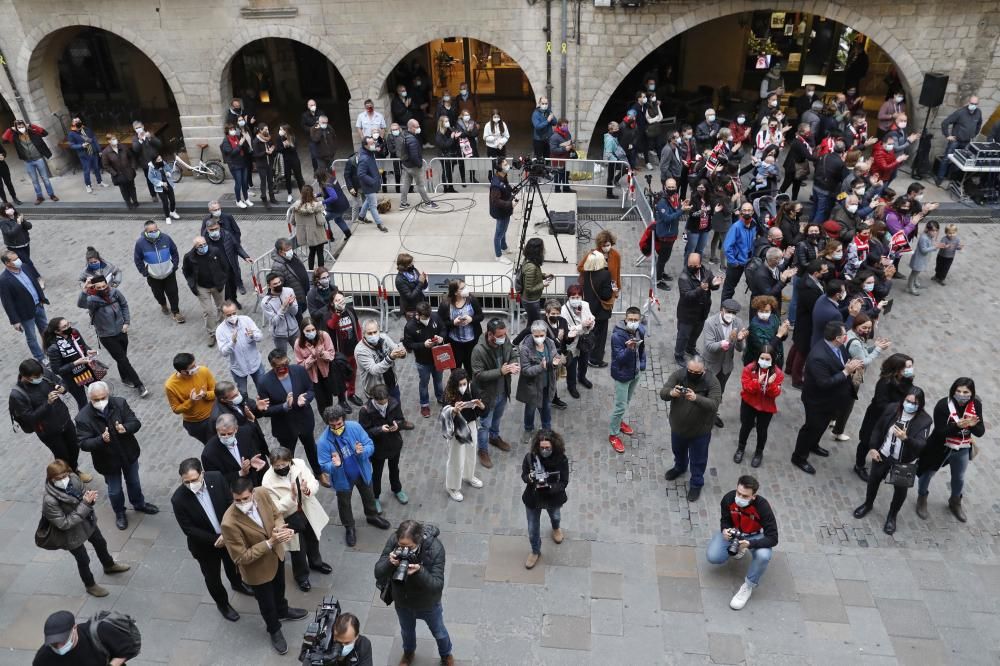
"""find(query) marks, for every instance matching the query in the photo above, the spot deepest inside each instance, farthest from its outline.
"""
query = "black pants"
(723, 378)
(614, 174)
(378, 463)
(532, 311)
(790, 180)
(600, 333)
(117, 346)
(83, 559)
(127, 188)
(266, 174)
(5, 180)
(576, 370)
(200, 430)
(307, 555)
(165, 290)
(309, 444)
(233, 279)
(872, 414)
(817, 420)
(63, 445)
(683, 181)
(540, 148)
(733, 275)
(209, 564)
(942, 266)
(688, 333)
(843, 415)
(316, 255)
(463, 354)
(271, 599)
(879, 471)
(663, 251)
(344, 503)
(293, 167)
(750, 417)
(168, 201)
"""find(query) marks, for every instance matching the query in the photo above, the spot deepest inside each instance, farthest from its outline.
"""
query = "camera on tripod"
(406, 557)
(318, 637)
(734, 542)
(532, 167)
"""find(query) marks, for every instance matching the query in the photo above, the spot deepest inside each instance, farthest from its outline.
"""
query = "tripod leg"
(548, 216)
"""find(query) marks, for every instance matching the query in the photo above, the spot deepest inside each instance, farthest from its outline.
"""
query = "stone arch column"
(909, 71)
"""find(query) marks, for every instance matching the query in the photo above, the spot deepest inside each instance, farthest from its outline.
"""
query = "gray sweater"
(108, 316)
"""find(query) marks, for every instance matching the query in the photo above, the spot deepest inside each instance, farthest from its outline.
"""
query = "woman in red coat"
(885, 159)
(761, 386)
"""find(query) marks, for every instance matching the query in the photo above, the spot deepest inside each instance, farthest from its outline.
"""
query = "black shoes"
(304, 584)
(693, 494)
(294, 613)
(278, 642)
(738, 456)
(121, 522)
(820, 451)
(558, 403)
(574, 392)
(151, 509)
(351, 538)
(379, 522)
(719, 423)
(804, 466)
(322, 567)
(862, 511)
(862, 473)
(890, 525)
(243, 588)
(758, 456)
(229, 613)
(344, 405)
(357, 401)
(597, 364)
(585, 383)
(672, 474)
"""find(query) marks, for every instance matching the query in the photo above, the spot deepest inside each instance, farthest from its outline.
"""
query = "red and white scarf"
(963, 440)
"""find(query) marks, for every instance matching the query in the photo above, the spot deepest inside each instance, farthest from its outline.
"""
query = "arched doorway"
(493, 78)
(104, 78)
(275, 77)
(721, 63)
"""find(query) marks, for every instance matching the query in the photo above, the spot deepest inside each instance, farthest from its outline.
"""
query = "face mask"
(742, 502)
(554, 320)
(416, 131)
(22, 130)
(464, 293)
(371, 147)
(466, 118)
(339, 307)
(710, 119)
(688, 136)
(545, 453)
(35, 380)
(402, 94)
(237, 399)
(322, 125)
(16, 263)
(100, 405)
(632, 325)
(859, 191)
(539, 340)
(152, 235)
(496, 119)
(395, 132)
(961, 399)
(196, 486)
(65, 649)
(446, 98)
(140, 130)
(908, 373)
(281, 371)
(312, 108)
(245, 507)
(283, 471)
(228, 441)
(763, 363)
(901, 124)
(446, 124)
(310, 335)
(898, 98)
(288, 254)
(348, 649)
(773, 103)
(763, 316)
(202, 249)
(114, 143)
(910, 408)
(62, 484)
(338, 431)
(462, 388)
(214, 235)
(500, 341)
(642, 100)
(693, 377)
(193, 371)
(217, 213)
(241, 123)
(972, 107)
(813, 237)
(852, 208)
(727, 317)
(837, 256)
(373, 339)
(889, 147)
(868, 287)
(746, 216)
(543, 107)
(232, 319)
(694, 269)
(281, 132)
(741, 120)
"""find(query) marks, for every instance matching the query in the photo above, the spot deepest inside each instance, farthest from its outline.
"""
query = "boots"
(922, 507)
(955, 504)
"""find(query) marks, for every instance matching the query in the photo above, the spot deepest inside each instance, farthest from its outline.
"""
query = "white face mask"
(898, 98)
(496, 119)
(100, 405)
(310, 335)
(416, 131)
(424, 320)
(466, 118)
(288, 254)
(196, 486)
(632, 325)
(446, 124)
(727, 317)
(539, 340)
(373, 339)
(852, 208)
(62, 484)
(763, 363)
(245, 507)
(228, 440)
(312, 108)
(237, 399)
(233, 132)
(114, 143)
(193, 370)
(868, 287)
(66, 647)
(710, 119)
(464, 293)
(395, 132)
(462, 388)
(837, 256)
(764, 316)
(901, 124)
(500, 341)
(575, 302)
(322, 125)
(233, 319)
(742, 502)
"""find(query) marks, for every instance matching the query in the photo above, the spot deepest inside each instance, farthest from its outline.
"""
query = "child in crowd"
(951, 244)
(926, 245)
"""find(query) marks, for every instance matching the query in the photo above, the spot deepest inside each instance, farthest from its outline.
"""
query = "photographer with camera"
(412, 567)
(545, 471)
(335, 638)
(747, 524)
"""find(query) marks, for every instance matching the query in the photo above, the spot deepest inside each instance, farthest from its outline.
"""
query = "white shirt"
(243, 355)
(253, 515)
(368, 123)
(893, 447)
(206, 503)
(234, 450)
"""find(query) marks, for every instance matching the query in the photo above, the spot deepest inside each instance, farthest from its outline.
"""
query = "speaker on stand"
(931, 96)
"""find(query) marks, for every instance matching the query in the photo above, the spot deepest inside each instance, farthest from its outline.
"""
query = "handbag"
(297, 521)
(45, 536)
(902, 475)
(973, 450)
(801, 170)
(444, 357)
(385, 592)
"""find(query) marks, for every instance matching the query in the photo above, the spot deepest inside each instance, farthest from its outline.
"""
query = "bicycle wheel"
(217, 172)
(177, 174)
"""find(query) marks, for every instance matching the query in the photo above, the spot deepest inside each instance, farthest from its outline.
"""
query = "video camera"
(532, 167)
(318, 647)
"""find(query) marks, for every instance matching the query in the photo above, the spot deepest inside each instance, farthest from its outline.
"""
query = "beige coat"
(309, 223)
(280, 490)
(247, 542)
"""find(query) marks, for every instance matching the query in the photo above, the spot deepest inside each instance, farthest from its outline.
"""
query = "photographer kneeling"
(747, 523)
(545, 470)
(357, 650)
(412, 565)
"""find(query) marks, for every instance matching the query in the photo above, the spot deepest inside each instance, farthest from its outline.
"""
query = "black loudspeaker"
(932, 94)
(563, 222)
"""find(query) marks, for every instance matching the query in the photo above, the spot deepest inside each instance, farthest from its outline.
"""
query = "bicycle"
(212, 169)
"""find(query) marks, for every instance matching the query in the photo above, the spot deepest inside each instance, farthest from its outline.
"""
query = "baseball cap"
(58, 627)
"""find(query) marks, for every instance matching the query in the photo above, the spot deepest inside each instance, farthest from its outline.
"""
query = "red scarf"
(561, 132)
(964, 439)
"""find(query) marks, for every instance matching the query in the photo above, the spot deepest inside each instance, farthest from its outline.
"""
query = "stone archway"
(906, 65)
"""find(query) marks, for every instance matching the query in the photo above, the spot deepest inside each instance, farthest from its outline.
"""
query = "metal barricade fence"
(478, 168)
(386, 165)
(633, 291)
(495, 294)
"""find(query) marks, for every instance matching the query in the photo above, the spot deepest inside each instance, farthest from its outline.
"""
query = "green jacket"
(533, 280)
(486, 371)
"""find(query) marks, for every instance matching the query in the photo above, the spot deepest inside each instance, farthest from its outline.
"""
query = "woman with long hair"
(533, 279)
(547, 457)
(314, 351)
(894, 382)
(462, 407)
(290, 157)
(307, 218)
(70, 357)
(463, 319)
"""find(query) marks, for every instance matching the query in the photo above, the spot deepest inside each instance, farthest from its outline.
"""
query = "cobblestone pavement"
(629, 585)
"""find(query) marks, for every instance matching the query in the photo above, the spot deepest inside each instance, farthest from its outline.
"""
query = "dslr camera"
(318, 646)
(734, 543)
(406, 557)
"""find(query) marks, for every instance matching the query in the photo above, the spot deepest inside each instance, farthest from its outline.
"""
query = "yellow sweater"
(178, 388)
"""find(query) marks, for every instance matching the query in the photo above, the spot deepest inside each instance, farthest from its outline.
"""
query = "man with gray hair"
(106, 427)
(412, 159)
(694, 396)
(770, 276)
(376, 356)
(235, 452)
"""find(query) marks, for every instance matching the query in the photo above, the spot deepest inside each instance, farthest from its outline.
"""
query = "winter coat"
(410, 288)
(83, 142)
(123, 449)
(934, 454)
(552, 497)
(204, 271)
(368, 173)
(316, 356)
(760, 396)
(35, 134)
(693, 302)
(421, 590)
(107, 315)
(374, 366)
(541, 125)
(293, 274)
(29, 406)
(692, 418)
(416, 334)
(344, 446)
(72, 520)
(16, 299)
(15, 233)
(309, 224)
(235, 156)
(917, 432)
(535, 383)
(486, 374)
(626, 364)
(119, 164)
(501, 198)
(598, 293)
(921, 258)
(229, 248)
(717, 359)
(444, 314)
(387, 444)
(413, 151)
(287, 501)
(156, 259)
(324, 142)
(155, 176)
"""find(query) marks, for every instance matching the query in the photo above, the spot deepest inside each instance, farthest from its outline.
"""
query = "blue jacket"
(154, 177)
(17, 301)
(627, 363)
(343, 444)
(371, 179)
(157, 258)
(825, 311)
(77, 140)
(739, 243)
(541, 125)
(667, 219)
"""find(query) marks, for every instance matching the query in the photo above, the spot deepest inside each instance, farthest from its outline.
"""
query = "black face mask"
(282, 472)
(671, 190)
(694, 269)
(694, 377)
(553, 320)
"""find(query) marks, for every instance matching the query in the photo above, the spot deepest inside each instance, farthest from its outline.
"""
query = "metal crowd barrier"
(495, 294)
(633, 290)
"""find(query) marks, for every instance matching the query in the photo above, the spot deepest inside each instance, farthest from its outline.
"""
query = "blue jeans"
(434, 617)
(240, 187)
(339, 221)
(91, 164)
(370, 204)
(546, 411)
(38, 169)
(760, 557)
(426, 372)
(241, 382)
(39, 322)
(115, 494)
(696, 242)
(822, 202)
(534, 525)
(945, 162)
(500, 236)
(695, 449)
(959, 462)
(489, 425)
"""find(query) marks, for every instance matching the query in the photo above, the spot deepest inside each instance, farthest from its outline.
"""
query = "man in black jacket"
(959, 128)
(199, 503)
(289, 393)
(382, 418)
(229, 400)
(746, 517)
(145, 148)
(830, 173)
(827, 388)
(694, 303)
(204, 267)
(413, 165)
(67, 642)
(357, 650)
(420, 335)
(770, 276)
(106, 427)
(418, 595)
(235, 451)
(222, 231)
(309, 120)
(810, 289)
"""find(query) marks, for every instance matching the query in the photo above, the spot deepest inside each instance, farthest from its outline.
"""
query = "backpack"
(123, 625)
(519, 280)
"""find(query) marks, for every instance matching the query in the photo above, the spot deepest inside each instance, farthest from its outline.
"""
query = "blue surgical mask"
(908, 372)
(202, 249)
(152, 235)
(348, 649)
(910, 407)
(94, 265)
(65, 649)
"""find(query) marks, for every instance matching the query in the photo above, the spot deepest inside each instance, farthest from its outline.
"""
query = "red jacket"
(761, 398)
(883, 162)
(741, 133)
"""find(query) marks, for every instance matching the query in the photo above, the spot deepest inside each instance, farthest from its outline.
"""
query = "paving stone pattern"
(629, 585)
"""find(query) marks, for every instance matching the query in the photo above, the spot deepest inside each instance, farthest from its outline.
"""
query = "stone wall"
(193, 41)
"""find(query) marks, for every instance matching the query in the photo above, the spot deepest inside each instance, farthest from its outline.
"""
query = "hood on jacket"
(308, 208)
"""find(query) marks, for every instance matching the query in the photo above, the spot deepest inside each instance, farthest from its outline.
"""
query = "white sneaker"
(175, 215)
(505, 260)
(249, 203)
(507, 250)
(103, 184)
(90, 190)
(475, 482)
(290, 199)
(241, 204)
(456, 495)
(842, 438)
(741, 598)
(168, 220)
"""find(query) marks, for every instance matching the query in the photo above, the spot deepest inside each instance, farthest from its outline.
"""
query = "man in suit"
(288, 390)
(229, 400)
(724, 336)
(235, 452)
(199, 504)
(827, 309)
(255, 536)
(24, 301)
(809, 291)
(827, 388)
(770, 276)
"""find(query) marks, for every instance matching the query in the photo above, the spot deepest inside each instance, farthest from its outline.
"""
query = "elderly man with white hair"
(376, 356)
(107, 426)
